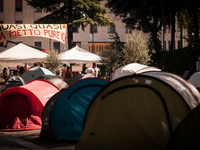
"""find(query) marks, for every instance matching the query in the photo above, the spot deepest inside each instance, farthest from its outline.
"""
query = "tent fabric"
(68, 110)
(46, 131)
(79, 55)
(22, 53)
(78, 77)
(186, 136)
(133, 68)
(57, 81)
(35, 72)
(195, 79)
(21, 107)
(182, 86)
(139, 111)
(13, 82)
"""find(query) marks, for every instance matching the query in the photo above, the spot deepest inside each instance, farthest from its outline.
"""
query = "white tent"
(79, 55)
(22, 53)
(195, 79)
(131, 69)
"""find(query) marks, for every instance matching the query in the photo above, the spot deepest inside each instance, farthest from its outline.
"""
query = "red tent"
(21, 107)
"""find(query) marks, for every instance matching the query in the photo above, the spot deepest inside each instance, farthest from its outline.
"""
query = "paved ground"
(24, 140)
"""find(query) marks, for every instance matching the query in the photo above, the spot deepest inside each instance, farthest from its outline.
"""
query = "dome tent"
(195, 79)
(21, 107)
(13, 82)
(35, 72)
(45, 131)
(186, 136)
(57, 81)
(139, 111)
(132, 68)
(79, 77)
(63, 116)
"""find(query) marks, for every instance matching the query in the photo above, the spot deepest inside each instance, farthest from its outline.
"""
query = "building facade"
(18, 12)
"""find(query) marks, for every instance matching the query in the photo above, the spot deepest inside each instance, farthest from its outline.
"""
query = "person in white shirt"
(97, 70)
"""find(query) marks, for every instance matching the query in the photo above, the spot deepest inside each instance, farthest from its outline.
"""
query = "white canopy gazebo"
(23, 54)
(79, 55)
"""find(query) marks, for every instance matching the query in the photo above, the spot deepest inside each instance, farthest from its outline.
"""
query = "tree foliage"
(112, 54)
(54, 60)
(66, 14)
(142, 15)
(150, 16)
(136, 49)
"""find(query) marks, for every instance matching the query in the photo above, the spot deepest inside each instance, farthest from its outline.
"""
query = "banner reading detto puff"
(52, 31)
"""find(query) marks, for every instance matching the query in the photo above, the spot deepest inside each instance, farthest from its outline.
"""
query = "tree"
(191, 21)
(65, 14)
(143, 15)
(112, 54)
(54, 60)
(136, 49)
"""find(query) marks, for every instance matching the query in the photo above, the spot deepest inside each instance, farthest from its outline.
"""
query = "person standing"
(5, 74)
(64, 70)
(35, 65)
(18, 68)
(58, 74)
(164, 69)
(21, 71)
(68, 74)
(96, 71)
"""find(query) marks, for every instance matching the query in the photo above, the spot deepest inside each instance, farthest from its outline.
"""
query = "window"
(179, 44)
(169, 45)
(37, 9)
(56, 46)
(174, 45)
(18, 5)
(169, 29)
(75, 29)
(93, 28)
(164, 45)
(128, 29)
(18, 22)
(38, 44)
(1, 5)
(111, 29)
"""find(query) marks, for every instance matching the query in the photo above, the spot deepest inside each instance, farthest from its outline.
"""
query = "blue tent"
(33, 73)
(68, 109)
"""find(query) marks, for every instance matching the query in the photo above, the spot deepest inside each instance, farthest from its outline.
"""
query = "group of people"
(95, 71)
(67, 73)
(19, 70)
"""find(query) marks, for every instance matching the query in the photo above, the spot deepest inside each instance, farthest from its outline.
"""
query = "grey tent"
(77, 77)
(13, 82)
(139, 111)
(57, 81)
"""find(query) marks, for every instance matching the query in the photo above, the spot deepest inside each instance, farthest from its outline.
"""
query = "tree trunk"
(154, 35)
(173, 32)
(70, 36)
(196, 28)
(69, 27)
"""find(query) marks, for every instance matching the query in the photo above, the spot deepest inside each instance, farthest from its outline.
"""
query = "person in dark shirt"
(68, 74)
(5, 74)
(164, 69)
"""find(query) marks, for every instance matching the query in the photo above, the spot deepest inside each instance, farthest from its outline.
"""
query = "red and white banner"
(52, 31)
